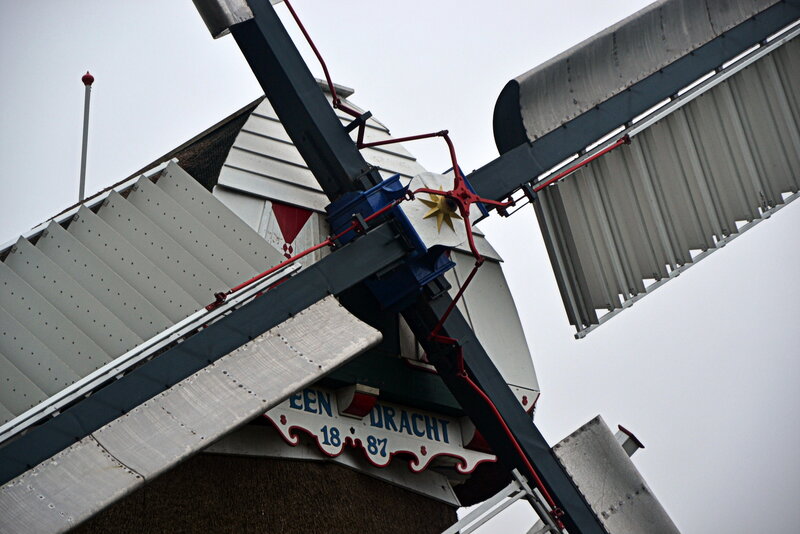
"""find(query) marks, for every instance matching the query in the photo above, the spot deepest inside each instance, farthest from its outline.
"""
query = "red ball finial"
(87, 79)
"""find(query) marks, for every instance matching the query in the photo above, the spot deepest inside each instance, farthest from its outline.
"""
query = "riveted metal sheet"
(126, 260)
(53, 328)
(32, 357)
(218, 218)
(77, 304)
(61, 492)
(161, 249)
(620, 56)
(236, 388)
(203, 245)
(17, 392)
(101, 282)
(312, 346)
(611, 484)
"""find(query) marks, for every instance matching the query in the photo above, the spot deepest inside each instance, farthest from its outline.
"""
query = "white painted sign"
(387, 430)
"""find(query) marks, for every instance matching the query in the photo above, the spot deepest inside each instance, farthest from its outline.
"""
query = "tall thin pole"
(87, 80)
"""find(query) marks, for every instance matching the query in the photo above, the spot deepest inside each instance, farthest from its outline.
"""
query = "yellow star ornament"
(441, 209)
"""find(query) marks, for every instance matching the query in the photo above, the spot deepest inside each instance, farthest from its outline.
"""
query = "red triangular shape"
(291, 219)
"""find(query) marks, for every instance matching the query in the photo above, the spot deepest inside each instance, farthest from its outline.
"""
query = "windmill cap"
(87, 79)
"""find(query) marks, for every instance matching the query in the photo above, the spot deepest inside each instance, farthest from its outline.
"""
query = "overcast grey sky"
(704, 371)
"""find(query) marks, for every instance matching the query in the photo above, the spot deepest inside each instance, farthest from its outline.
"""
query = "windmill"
(368, 234)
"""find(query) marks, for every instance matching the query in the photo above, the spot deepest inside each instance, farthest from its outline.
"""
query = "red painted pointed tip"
(87, 79)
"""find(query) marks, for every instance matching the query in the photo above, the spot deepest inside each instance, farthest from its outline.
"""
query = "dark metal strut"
(339, 167)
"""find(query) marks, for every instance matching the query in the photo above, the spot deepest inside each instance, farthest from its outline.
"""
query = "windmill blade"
(131, 450)
(128, 259)
(702, 144)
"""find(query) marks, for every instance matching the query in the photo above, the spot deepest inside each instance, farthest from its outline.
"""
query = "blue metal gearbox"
(399, 287)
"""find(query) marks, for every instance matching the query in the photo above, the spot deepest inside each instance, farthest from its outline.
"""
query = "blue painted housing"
(400, 286)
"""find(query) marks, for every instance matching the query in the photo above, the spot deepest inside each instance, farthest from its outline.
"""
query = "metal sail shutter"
(114, 460)
(708, 165)
(82, 291)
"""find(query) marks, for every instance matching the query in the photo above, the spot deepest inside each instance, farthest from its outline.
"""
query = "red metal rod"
(456, 170)
(434, 335)
(282, 264)
(621, 141)
(556, 511)
(326, 243)
(404, 139)
(337, 103)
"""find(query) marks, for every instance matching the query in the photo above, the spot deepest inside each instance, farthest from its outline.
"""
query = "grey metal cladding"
(112, 290)
(57, 494)
(238, 387)
(620, 56)
(690, 181)
(5, 414)
(82, 296)
(208, 249)
(55, 329)
(70, 298)
(32, 357)
(609, 481)
(185, 418)
(137, 269)
(141, 232)
(264, 122)
(218, 219)
(17, 392)
(264, 162)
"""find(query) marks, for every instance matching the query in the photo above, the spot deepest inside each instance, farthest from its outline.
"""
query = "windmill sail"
(715, 153)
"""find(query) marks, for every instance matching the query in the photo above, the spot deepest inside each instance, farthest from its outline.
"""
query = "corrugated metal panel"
(159, 247)
(727, 154)
(218, 219)
(17, 392)
(134, 267)
(33, 358)
(61, 492)
(70, 298)
(53, 328)
(209, 250)
(83, 295)
(102, 282)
